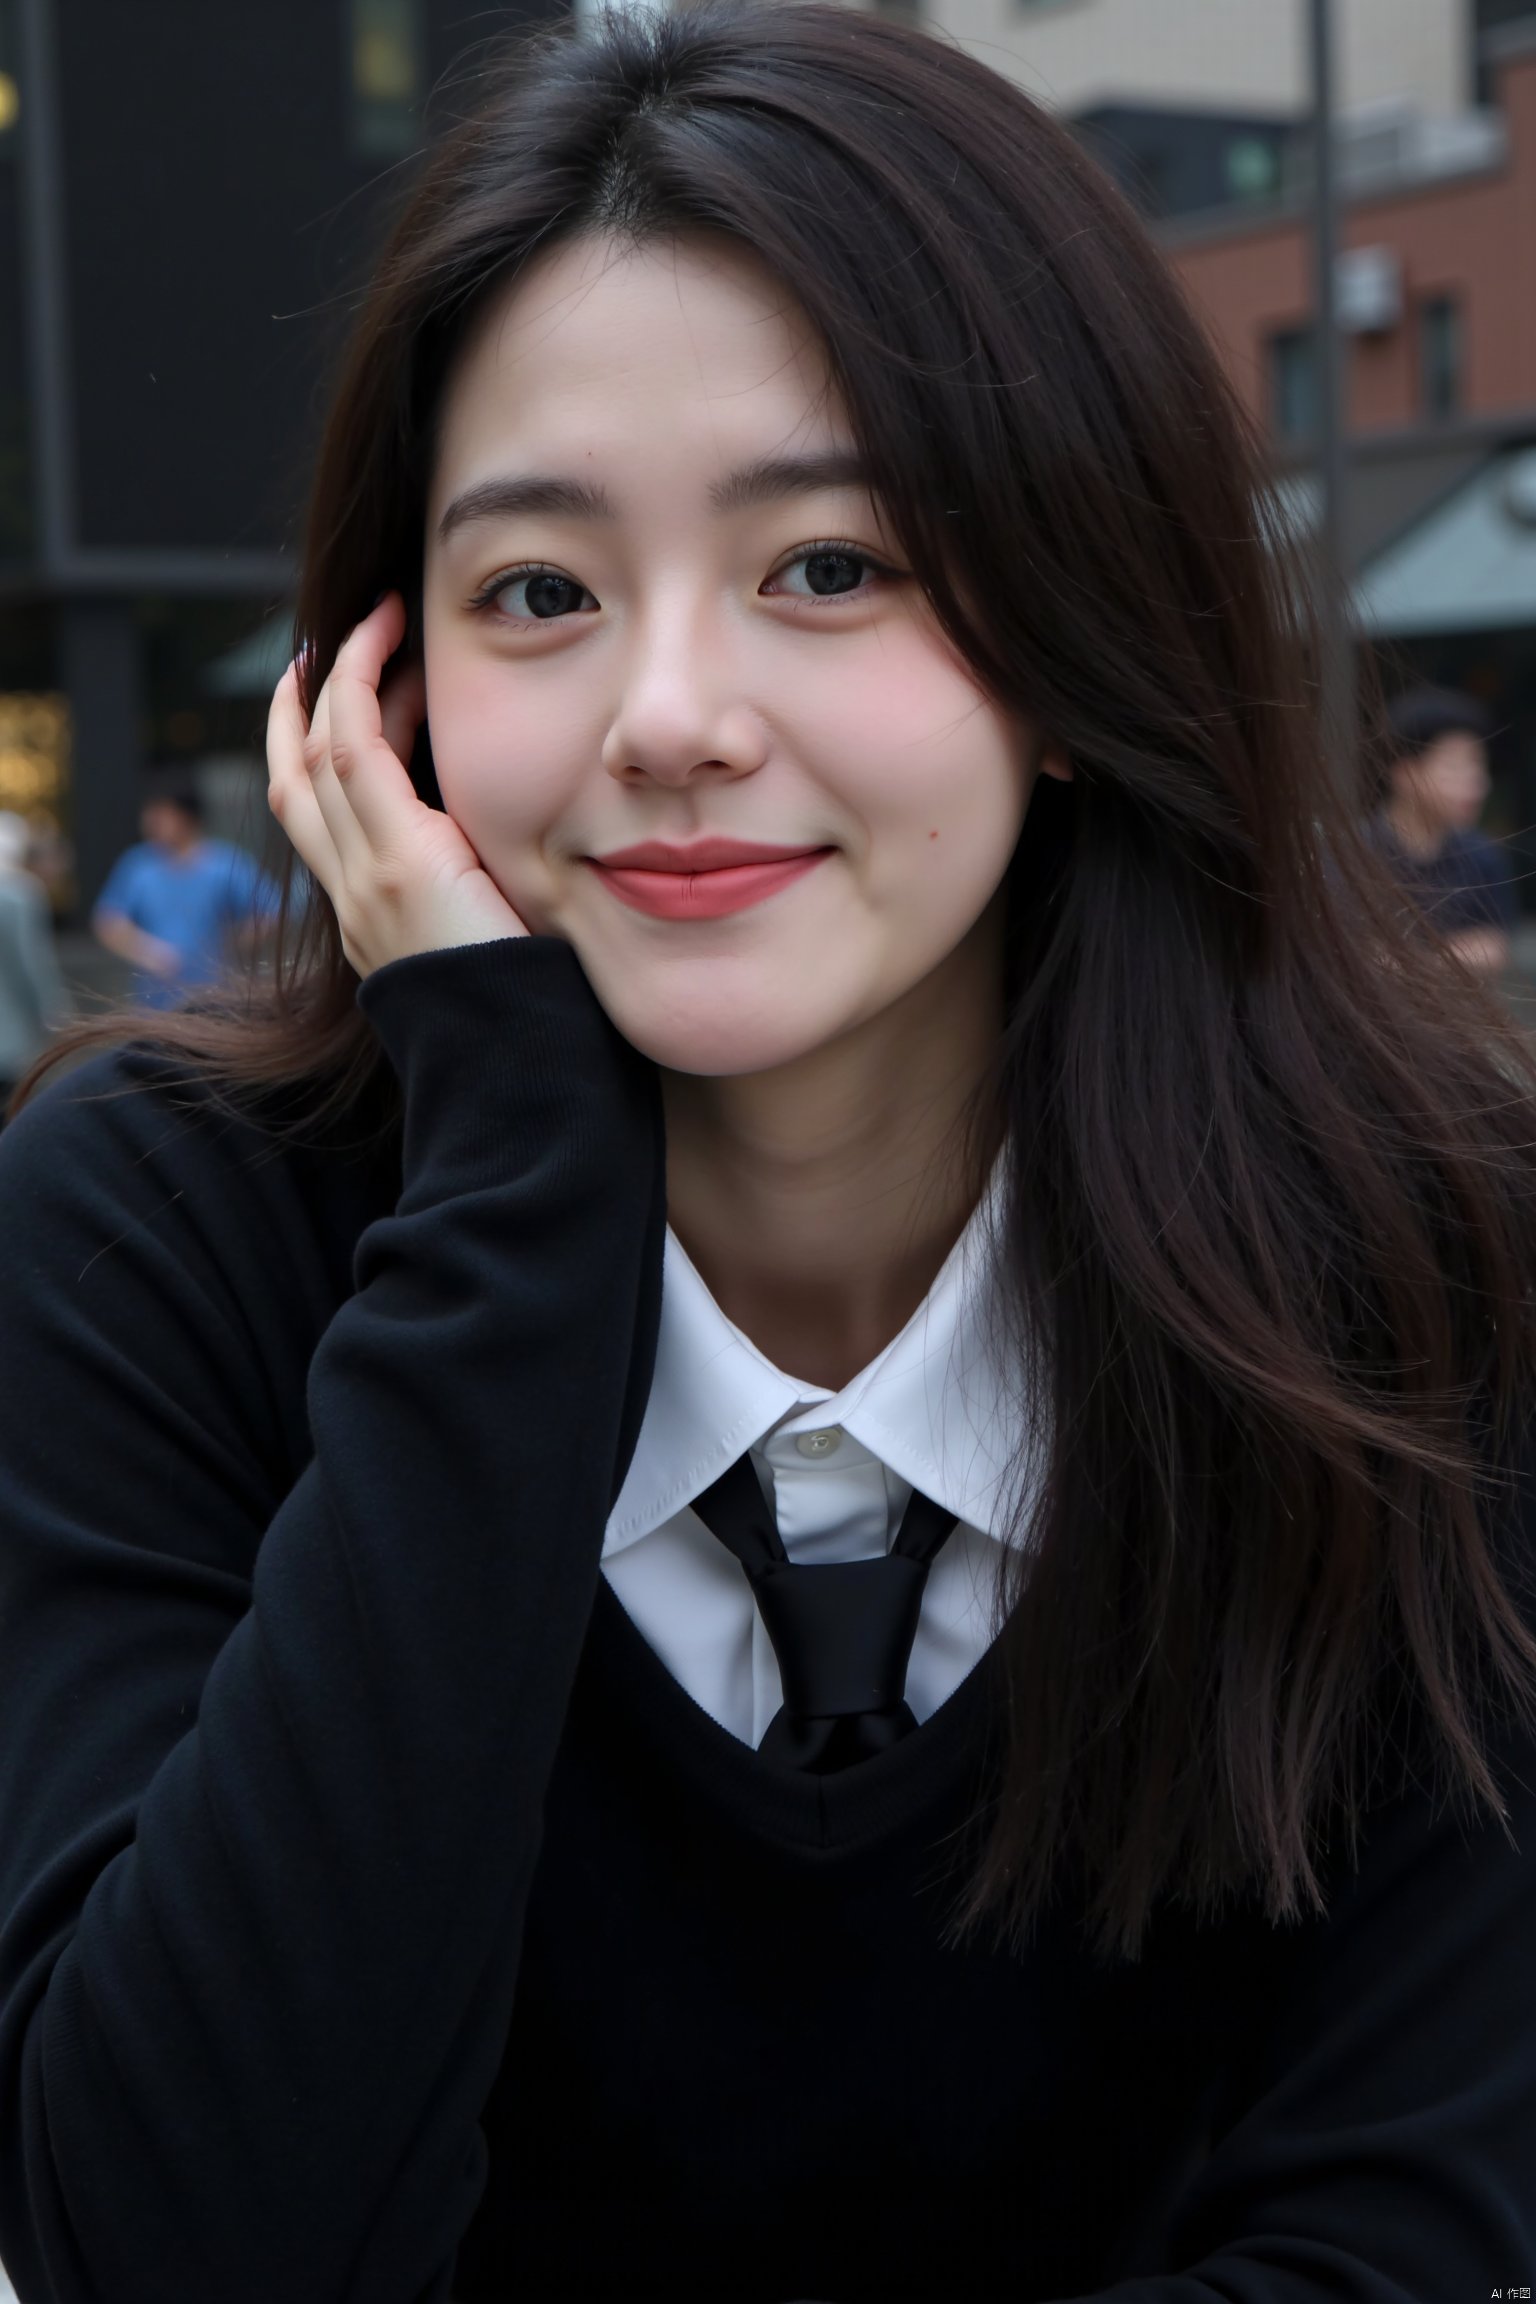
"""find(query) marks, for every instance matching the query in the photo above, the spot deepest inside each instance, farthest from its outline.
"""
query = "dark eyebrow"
(763, 482)
(500, 499)
(774, 476)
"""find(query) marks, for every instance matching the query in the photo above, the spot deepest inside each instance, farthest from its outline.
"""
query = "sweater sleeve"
(272, 1763)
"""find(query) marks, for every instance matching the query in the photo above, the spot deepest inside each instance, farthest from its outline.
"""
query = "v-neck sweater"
(381, 1924)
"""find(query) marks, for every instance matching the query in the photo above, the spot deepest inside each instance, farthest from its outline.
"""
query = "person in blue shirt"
(179, 906)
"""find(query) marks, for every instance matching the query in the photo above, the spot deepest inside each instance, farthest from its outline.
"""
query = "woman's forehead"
(597, 352)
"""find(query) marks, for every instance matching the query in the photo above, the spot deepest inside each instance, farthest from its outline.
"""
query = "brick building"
(1437, 293)
(1437, 272)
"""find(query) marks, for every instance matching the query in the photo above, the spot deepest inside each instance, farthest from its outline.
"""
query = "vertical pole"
(101, 672)
(52, 404)
(96, 641)
(1336, 669)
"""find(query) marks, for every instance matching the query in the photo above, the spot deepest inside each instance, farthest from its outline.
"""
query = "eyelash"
(829, 546)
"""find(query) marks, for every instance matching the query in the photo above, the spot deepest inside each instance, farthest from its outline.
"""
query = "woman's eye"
(829, 571)
(543, 596)
(536, 596)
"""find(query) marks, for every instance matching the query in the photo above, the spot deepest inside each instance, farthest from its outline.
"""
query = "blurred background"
(190, 195)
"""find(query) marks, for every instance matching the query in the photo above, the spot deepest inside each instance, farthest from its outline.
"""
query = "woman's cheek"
(506, 786)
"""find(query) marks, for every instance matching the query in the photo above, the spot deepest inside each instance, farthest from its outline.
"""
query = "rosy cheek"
(898, 694)
(882, 686)
(502, 747)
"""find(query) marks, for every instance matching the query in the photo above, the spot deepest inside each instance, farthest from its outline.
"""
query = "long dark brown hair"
(1270, 1235)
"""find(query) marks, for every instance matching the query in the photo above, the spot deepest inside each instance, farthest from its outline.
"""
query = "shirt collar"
(942, 1405)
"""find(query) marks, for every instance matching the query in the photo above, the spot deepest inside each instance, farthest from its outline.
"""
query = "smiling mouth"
(703, 892)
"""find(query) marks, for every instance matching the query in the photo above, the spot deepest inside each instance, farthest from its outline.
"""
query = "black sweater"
(382, 1923)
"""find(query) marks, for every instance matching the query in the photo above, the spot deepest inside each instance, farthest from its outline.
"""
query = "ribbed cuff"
(503, 1051)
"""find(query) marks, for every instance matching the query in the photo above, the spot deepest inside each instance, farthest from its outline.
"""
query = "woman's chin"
(717, 1045)
(714, 1056)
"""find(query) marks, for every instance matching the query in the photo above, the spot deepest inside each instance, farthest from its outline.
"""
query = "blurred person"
(33, 999)
(52, 860)
(807, 1563)
(1426, 827)
(179, 906)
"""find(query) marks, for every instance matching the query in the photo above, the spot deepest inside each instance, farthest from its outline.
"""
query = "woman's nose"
(681, 712)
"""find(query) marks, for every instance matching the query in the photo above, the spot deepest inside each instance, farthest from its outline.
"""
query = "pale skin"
(1445, 789)
(707, 643)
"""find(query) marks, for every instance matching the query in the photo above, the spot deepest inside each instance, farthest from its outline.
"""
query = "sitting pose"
(775, 1539)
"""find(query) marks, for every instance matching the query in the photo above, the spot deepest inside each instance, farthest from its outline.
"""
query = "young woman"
(778, 1544)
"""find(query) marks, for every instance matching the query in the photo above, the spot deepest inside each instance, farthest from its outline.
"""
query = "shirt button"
(818, 1443)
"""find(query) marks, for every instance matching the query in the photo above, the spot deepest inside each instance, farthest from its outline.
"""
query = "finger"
(346, 834)
(369, 771)
(290, 796)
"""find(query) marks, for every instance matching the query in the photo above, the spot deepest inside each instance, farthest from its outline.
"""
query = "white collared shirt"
(940, 1409)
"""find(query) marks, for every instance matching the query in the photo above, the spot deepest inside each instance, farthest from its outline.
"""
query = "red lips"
(712, 855)
(707, 880)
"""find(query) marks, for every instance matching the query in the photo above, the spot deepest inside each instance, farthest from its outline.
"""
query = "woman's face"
(660, 607)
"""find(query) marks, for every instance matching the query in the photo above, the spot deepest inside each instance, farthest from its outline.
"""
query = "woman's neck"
(818, 1201)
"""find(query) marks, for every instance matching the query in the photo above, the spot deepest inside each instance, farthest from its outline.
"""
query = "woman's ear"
(1051, 760)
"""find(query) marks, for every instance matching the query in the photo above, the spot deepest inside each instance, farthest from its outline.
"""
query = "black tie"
(842, 1632)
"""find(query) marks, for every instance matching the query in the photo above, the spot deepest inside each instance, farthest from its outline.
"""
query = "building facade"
(1201, 110)
(1216, 55)
(185, 210)
(1436, 273)
(1436, 291)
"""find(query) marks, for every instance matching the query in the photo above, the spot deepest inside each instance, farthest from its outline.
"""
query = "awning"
(254, 666)
(1469, 565)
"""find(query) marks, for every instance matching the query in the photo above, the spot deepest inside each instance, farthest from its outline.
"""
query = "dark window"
(1186, 163)
(1253, 167)
(10, 95)
(1293, 383)
(1146, 177)
(386, 77)
(1440, 356)
(16, 535)
(1494, 16)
